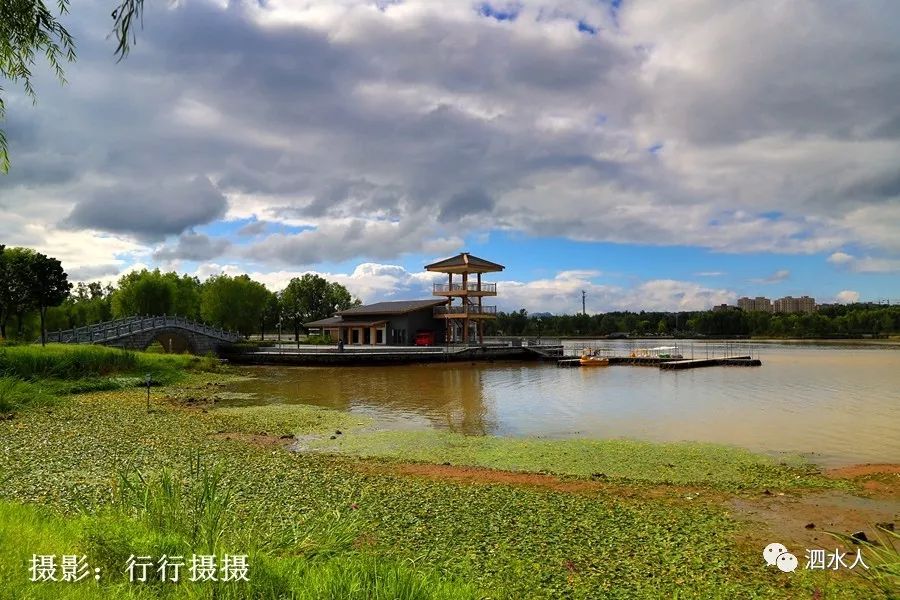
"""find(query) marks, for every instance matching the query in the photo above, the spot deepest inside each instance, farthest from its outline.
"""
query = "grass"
(33, 375)
(287, 419)
(323, 527)
(178, 514)
(73, 362)
(883, 560)
(16, 393)
(684, 463)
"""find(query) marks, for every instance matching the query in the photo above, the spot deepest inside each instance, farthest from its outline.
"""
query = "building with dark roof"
(383, 323)
(439, 320)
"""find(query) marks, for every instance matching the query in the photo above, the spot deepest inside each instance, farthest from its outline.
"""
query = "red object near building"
(424, 338)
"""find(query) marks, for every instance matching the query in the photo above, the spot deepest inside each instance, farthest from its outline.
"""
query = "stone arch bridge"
(176, 334)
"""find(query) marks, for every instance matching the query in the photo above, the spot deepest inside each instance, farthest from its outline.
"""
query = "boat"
(590, 359)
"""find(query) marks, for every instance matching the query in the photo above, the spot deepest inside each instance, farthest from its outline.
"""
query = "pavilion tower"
(464, 311)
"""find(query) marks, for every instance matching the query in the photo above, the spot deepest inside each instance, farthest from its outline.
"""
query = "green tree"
(235, 303)
(662, 327)
(48, 286)
(185, 295)
(312, 297)
(88, 303)
(144, 293)
(271, 315)
(15, 298)
(29, 28)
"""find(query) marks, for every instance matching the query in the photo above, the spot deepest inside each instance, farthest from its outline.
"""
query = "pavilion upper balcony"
(470, 311)
(470, 289)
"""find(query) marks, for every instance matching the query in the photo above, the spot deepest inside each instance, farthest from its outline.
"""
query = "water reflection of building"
(449, 396)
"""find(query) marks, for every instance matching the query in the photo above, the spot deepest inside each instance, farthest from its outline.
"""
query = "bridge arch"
(176, 334)
(173, 341)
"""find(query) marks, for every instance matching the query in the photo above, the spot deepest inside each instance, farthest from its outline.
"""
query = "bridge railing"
(109, 330)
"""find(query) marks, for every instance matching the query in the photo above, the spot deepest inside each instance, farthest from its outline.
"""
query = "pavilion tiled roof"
(465, 261)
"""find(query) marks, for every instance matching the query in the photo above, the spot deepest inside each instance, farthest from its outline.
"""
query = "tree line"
(36, 296)
(838, 320)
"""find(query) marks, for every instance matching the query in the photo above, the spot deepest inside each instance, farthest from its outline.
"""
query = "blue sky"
(665, 156)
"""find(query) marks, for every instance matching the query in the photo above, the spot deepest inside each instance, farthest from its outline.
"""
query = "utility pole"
(583, 294)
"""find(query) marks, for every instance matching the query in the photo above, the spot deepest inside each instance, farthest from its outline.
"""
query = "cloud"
(847, 297)
(709, 274)
(348, 119)
(864, 264)
(252, 229)
(149, 211)
(192, 246)
(340, 240)
(776, 277)
(562, 294)
(840, 258)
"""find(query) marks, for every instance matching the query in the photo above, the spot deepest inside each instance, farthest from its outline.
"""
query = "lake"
(836, 404)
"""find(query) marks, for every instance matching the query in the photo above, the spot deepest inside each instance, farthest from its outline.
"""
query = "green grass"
(310, 519)
(72, 362)
(32, 375)
(685, 463)
(16, 393)
(287, 419)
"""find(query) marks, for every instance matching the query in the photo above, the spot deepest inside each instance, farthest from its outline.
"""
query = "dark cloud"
(365, 128)
(193, 246)
(464, 204)
(151, 211)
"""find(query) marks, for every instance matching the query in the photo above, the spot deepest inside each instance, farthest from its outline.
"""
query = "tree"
(143, 293)
(185, 295)
(662, 327)
(271, 314)
(29, 28)
(235, 303)
(2, 287)
(312, 297)
(48, 286)
(14, 293)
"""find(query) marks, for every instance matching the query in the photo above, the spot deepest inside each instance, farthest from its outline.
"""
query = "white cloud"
(847, 297)
(367, 123)
(840, 258)
(864, 264)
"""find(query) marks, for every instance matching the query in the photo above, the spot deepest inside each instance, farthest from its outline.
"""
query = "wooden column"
(465, 298)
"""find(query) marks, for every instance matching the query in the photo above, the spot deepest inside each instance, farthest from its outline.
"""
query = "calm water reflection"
(837, 404)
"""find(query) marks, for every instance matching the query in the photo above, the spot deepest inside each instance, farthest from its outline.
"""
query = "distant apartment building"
(789, 304)
(759, 303)
(724, 307)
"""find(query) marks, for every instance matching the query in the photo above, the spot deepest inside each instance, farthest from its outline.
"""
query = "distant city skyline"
(585, 145)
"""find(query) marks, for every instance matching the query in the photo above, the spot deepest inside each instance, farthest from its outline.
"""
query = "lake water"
(836, 404)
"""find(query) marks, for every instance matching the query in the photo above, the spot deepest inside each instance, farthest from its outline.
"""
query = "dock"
(371, 356)
(669, 364)
(732, 361)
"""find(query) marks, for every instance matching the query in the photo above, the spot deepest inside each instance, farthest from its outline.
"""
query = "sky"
(659, 156)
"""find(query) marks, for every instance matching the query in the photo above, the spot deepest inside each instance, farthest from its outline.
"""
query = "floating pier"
(732, 361)
(670, 364)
